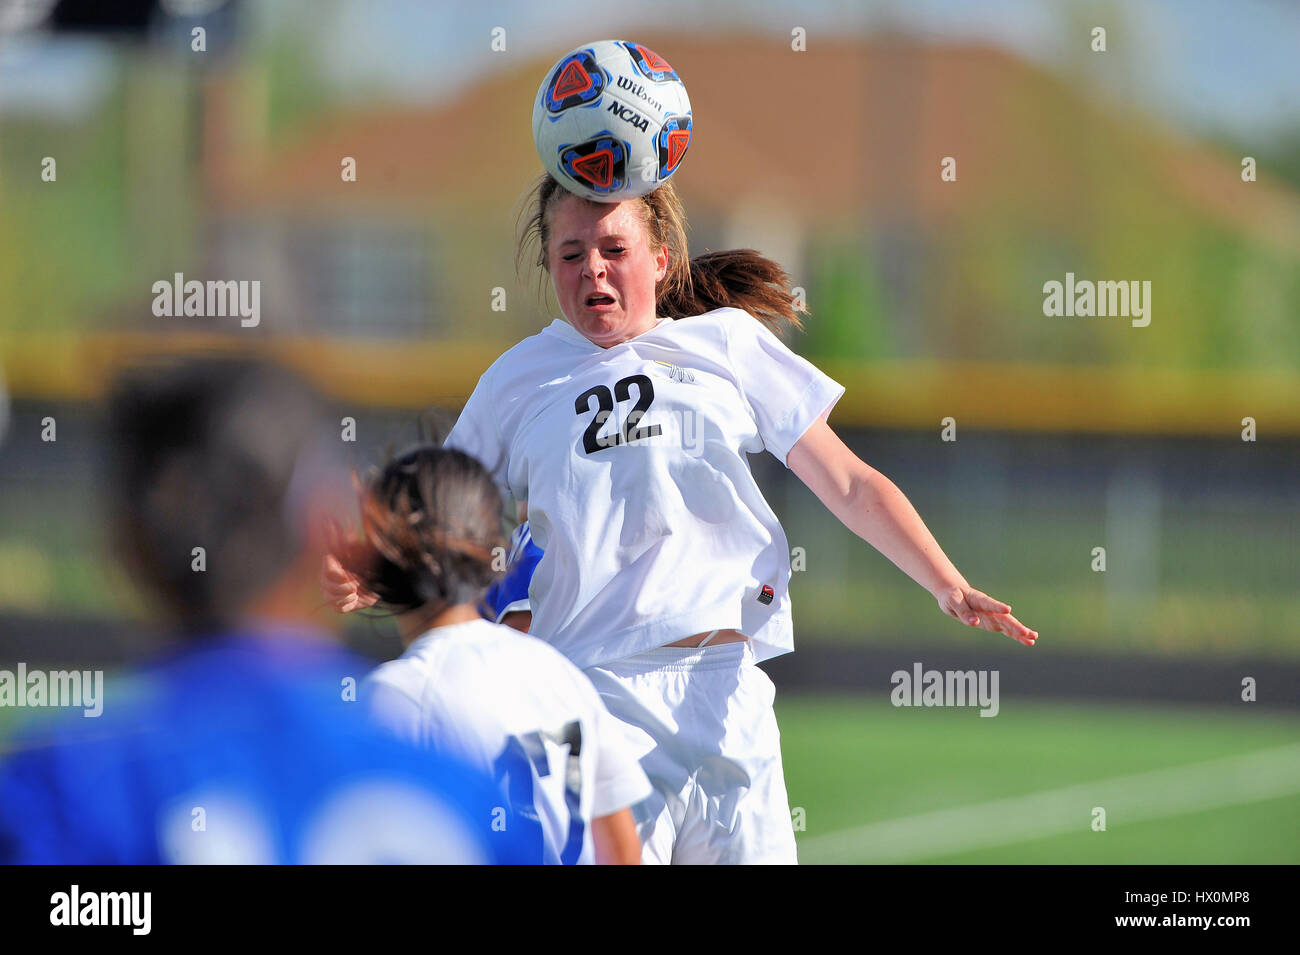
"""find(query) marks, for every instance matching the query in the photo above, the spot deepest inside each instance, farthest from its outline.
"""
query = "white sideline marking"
(1150, 795)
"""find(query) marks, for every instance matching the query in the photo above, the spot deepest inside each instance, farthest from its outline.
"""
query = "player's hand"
(342, 588)
(977, 609)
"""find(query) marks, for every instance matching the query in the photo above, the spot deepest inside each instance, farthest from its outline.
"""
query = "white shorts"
(702, 725)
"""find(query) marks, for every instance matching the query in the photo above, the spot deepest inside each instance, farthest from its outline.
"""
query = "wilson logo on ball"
(578, 81)
(599, 164)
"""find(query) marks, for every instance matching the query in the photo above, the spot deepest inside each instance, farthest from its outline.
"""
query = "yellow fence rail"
(894, 394)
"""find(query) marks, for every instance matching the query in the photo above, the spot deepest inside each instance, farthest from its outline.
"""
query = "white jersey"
(484, 691)
(633, 462)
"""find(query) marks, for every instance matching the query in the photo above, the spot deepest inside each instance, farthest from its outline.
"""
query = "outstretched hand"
(343, 589)
(977, 609)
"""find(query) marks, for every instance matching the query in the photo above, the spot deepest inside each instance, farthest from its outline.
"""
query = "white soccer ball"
(611, 121)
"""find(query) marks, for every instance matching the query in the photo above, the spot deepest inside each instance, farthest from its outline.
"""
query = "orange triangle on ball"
(678, 140)
(653, 61)
(598, 168)
(572, 79)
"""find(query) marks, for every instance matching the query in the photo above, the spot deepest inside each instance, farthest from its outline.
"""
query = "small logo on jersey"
(677, 373)
(765, 595)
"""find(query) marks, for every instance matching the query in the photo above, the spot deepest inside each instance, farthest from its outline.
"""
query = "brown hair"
(735, 278)
(431, 519)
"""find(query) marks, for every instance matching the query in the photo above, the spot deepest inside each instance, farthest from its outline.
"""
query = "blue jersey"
(510, 593)
(244, 749)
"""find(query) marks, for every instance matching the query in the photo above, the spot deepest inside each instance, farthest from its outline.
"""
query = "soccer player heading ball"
(625, 427)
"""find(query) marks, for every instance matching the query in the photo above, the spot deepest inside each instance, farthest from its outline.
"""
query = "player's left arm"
(616, 840)
(872, 506)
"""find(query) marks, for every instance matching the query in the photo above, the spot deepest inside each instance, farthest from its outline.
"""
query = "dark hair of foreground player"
(431, 520)
(218, 454)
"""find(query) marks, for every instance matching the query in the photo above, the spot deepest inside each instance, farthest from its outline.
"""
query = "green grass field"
(873, 783)
(879, 783)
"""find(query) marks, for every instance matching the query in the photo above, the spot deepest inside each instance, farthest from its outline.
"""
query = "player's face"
(603, 270)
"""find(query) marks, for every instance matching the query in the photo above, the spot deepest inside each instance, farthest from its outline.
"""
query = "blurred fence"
(1199, 536)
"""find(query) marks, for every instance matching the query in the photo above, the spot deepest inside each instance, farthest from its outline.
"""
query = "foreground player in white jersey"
(665, 572)
(478, 689)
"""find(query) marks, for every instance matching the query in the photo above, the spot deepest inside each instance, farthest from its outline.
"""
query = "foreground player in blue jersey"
(245, 743)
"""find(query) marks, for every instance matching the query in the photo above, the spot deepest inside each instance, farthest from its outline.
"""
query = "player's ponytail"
(734, 278)
(431, 520)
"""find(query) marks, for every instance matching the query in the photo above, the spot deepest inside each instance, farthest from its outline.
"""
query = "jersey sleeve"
(620, 780)
(443, 722)
(393, 709)
(48, 816)
(477, 432)
(786, 392)
(29, 805)
(509, 594)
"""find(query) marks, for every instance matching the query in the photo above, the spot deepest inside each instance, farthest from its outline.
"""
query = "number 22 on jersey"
(632, 430)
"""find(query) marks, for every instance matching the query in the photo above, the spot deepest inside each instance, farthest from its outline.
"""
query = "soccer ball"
(611, 121)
